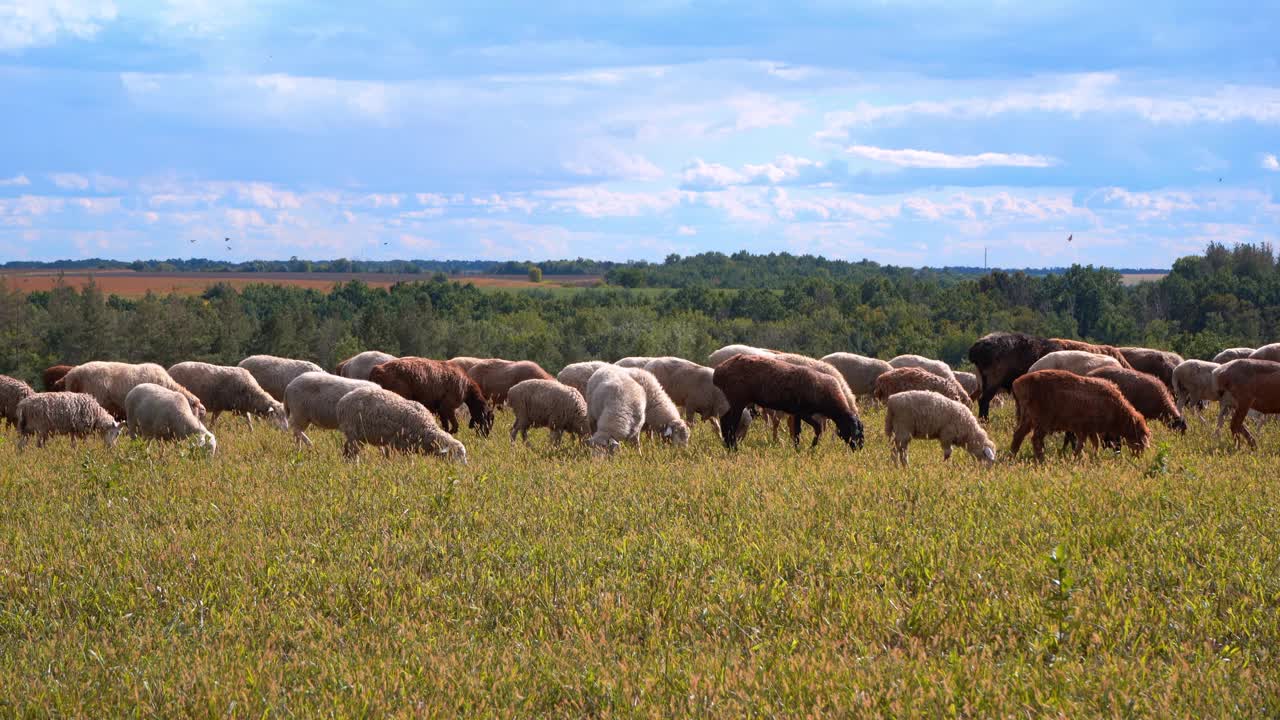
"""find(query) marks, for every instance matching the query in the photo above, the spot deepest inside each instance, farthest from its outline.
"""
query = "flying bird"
(1070, 236)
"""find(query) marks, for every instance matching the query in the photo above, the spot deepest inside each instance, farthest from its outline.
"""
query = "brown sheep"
(52, 377)
(1052, 401)
(1146, 393)
(1255, 385)
(793, 389)
(1159, 363)
(914, 378)
(496, 377)
(1002, 357)
(439, 386)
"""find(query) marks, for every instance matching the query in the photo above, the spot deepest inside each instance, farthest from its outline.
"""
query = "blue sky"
(911, 132)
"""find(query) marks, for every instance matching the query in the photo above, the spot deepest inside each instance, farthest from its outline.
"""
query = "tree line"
(1223, 298)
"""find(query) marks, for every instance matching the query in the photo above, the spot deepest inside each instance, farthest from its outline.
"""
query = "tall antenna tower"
(984, 257)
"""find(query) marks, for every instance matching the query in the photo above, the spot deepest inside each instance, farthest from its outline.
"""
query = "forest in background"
(1223, 298)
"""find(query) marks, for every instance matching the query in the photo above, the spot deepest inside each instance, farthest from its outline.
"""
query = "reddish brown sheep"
(1159, 363)
(496, 377)
(1255, 385)
(52, 377)
(1052, 401)
(798, 391)
(439, 386)
(914, 378)
(1146, 393)
(1003, 357)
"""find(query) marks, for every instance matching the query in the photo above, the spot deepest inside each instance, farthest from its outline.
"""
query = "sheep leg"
(515, 429)
(984, 401)
(1019, 434)
(1238, 427)
(556, 433)
(22, 440)
(1037, 444)
(729, 427)
(793, 424)
(248, 420)
(817, 425)
(300, 437)
(42, 439)
(946, 451)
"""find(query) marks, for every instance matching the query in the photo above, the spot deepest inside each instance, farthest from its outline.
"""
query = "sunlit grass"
(154, 581)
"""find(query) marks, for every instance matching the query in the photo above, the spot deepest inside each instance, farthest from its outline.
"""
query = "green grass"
(142, 581)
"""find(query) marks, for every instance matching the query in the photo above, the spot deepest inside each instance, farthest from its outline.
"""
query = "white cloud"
(598, 202)
(70, 181)
(756, 110)
(34, 23)
(702, 175)
(601, 160)
(16, 180)
(1271, 162)
(686, 231)
(931, 159)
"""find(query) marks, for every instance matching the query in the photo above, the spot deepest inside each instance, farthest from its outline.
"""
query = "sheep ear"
(989, 454)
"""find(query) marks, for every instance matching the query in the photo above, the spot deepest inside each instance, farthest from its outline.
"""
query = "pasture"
(155, 581)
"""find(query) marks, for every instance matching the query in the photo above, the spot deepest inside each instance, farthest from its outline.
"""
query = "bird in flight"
(1070, 236)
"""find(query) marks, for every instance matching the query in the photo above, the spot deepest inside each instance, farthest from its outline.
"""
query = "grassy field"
(532, 582)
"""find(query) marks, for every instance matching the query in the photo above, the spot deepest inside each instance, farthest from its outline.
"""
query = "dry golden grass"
(157, 582)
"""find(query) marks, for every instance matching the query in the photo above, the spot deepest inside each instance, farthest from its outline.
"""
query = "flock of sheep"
(1096, 393)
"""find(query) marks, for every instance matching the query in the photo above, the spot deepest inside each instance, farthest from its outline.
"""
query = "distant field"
(670, 582)
(1137, 278)
(127, 283)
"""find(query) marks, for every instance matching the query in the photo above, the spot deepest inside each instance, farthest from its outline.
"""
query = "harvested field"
(128, 283)
(1138, 278)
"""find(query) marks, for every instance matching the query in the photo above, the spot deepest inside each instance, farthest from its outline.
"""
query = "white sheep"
(729, 351)
(549, 404)
(660, 414)
(859, 371)
(466, 362)
(577, 375)
(691, 386)
(616, 408)
(972, 386)
(1193, 384)
(275, 373)
(1267, 352)
(635, 361)
(373, 416)
(1079, 362)
(157, 412)
(64, 413)
(937, 367)
(1230, 354)
(312, 399)
(110, 382)
(222, 388)
(12, 392)
(927, 415)
(358, 367)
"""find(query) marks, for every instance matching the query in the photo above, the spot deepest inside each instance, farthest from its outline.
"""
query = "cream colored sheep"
(157, 412)
(549, 404)
(373, 416)
(729, 351)
(110, 382)
(692, 387)
(660, 414)
(635, 361)
(927, 415)
(222, 388)
(616, 408)
(358, 367)
(312, 399)
(1236, 353)
(937, 367)
(12, 392)
(1267, 352)
(859, 371)
(64, 413)
(1079, 362)
(577, 375)
(466, 362)
(275, 373)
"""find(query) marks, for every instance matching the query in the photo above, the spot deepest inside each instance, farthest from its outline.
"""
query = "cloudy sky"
(911, 132)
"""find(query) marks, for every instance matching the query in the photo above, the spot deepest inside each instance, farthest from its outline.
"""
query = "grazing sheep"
(1227, 402)
(465, 362)
(728, 351)
(155, 411)
(497, 377)
(357, 367)
(373, 416)
(615, 408)
(1267, 352)
(692, 387)
(1159, 363)
(1052, 401)
(937, 367)
(1146, 394)
(441, 387)
(51, 378)
(970, 383)
(1255, 385)
(802, 392)
(914, 378)
(859, 371)
(312, 399)
(577, 375)
(1076, 361)
(110, 382)
(1002, 357)
(635, 361)
(1238, 353)
(660, 414)
(929, 416)
(275, 373)
(222, 388)
(1193, 383)
(12, 392)
(64, 413)
(550, 404)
